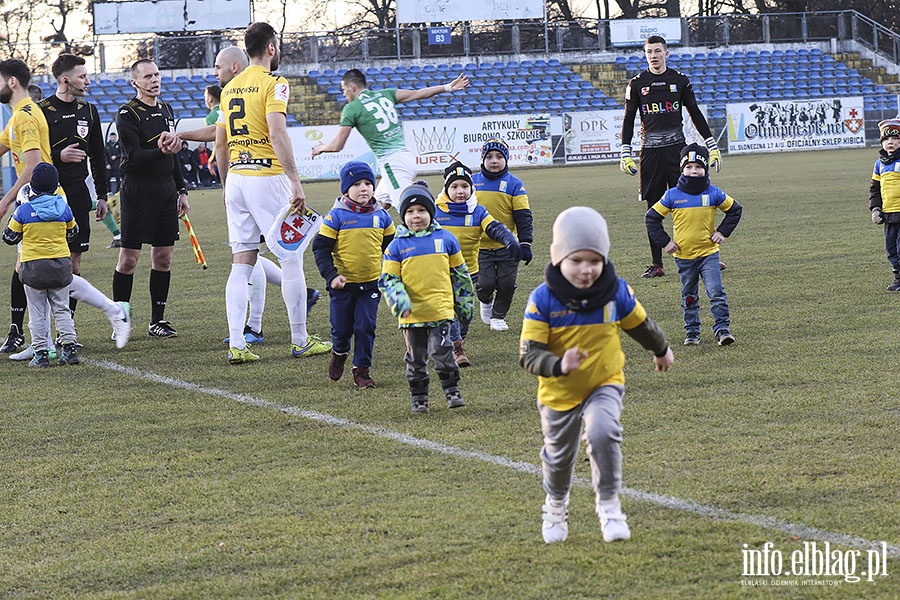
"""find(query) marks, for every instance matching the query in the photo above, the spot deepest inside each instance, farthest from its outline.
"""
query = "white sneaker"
(486, 312)
(612, 520)
(556, 515)
(26, 354)
(498, 325)
(122, 325)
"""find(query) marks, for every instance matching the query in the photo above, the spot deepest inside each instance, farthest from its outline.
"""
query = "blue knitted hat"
(44, 179)
(354, 171)
(495, 144)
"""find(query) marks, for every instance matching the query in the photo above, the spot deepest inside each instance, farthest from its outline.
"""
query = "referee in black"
(659, 94)
(76, 138)
(153, 195)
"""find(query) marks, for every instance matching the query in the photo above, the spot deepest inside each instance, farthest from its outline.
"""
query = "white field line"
(794, 529)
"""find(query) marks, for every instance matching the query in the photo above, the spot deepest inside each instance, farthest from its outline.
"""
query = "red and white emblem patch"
(281, 92)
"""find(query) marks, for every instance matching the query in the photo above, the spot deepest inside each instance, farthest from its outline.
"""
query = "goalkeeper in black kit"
(659, 94)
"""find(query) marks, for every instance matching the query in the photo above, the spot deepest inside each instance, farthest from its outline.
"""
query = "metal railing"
(468, 41)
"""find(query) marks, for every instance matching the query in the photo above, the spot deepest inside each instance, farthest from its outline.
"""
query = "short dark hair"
(35, 92)
(14, 67)
(138, 63)
(214, 91)
(354, 76)
(64, 63)
(257, 37)
(657, 39)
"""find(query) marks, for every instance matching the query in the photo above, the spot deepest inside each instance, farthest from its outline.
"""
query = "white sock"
(273, 271)
(236, 294)
(82, 290)
(293, 290)
(257, 296)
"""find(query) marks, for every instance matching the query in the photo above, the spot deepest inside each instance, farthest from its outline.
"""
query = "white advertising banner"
(444, 11)
(596, 136)
(328, 165)
(436, 143)
(634, 32)
(787, 125)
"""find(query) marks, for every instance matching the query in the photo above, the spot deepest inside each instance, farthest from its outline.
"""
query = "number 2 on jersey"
(383, 110)
(238, 112)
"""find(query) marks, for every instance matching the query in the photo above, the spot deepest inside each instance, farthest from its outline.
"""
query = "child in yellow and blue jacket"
(426, 283)
(884, 194)
(693, 203)
(45, 225)
(459, 212)
(504, 196)
(570, 340)
(348, 251)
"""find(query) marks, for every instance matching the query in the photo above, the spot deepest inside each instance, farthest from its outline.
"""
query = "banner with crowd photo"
(436, 143)
(789, 125)
(596, 136)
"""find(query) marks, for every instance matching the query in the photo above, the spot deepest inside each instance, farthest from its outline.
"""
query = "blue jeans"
(691, 272)
(892, 245)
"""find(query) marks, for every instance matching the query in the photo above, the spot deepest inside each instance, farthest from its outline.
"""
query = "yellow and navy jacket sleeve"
(884, 191)
(693, 220)
(549, 325)
(506, 200)
(417, 274)
(351, 244)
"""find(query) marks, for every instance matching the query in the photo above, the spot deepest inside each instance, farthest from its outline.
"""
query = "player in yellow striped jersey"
(26, 134)
(259, 177)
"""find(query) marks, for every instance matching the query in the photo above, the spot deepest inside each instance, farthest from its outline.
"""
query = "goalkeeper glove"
(715, 157)
(877, 218)
(626, 163)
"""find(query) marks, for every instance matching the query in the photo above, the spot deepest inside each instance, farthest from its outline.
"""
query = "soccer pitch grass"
(159, 471)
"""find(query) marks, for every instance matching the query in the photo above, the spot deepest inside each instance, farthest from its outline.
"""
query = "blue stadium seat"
(429, 69)
(470, 67)
(423, 112)
(442, 68)
(482, 109)
(583, 103)
(401, 69)
(371, 71)
(540, 63)
(415, 69)
(526, 64)
(540, 105)
(467, 109)
(568, 104)
(526, 106)
(198, 80)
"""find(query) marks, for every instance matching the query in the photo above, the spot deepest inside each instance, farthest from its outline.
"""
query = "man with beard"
(259, 174)
(26, 136)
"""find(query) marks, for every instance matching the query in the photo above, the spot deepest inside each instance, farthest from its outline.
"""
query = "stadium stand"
(549, 86)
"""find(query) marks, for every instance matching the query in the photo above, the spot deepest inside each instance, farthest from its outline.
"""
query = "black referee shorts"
(149, 211)
(659, 171)
(79, 199)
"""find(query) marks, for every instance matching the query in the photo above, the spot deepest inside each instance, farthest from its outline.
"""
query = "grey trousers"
(422, 342)
(39, 317)
(600, 413)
